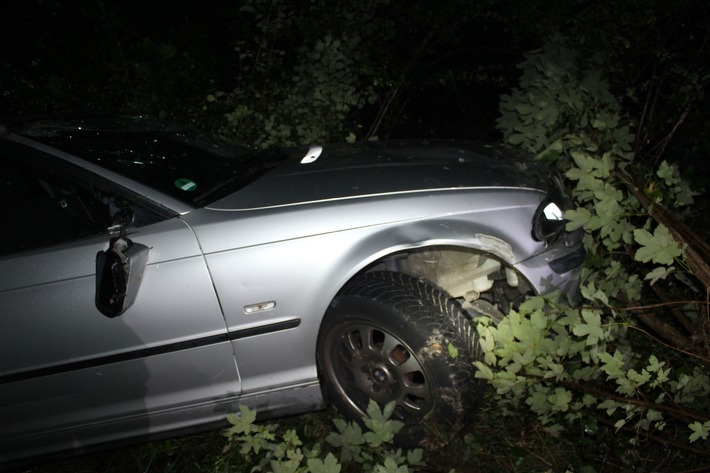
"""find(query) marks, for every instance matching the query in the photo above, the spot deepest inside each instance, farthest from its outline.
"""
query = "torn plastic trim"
(496, 246)
(119, 272)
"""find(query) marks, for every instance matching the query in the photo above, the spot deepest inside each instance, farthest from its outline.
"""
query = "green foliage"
(659, 247)
(347, 71)
(568, 363)
(700, 431)
(265, 448)
(298, 85)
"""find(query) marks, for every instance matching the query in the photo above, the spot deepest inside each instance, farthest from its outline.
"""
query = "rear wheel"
(393, 337)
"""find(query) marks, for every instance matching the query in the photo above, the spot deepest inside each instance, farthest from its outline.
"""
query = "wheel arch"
(429, 249)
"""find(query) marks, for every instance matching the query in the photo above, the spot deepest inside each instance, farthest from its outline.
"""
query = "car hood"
(313, 174)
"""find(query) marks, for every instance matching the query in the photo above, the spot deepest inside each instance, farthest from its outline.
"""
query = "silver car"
(152, 279)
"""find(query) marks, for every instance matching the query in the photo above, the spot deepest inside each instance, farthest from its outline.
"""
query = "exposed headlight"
(548, 221)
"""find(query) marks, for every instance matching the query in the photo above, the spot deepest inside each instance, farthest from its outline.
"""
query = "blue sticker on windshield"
(186, 185)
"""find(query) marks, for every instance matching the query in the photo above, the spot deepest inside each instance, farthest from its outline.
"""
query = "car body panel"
(367, 169)
(65, 363)
(231, 301)
(176, 280)
(75, 410)
(222, 230)
(300, 270)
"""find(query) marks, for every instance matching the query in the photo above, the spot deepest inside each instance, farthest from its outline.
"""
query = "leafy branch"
(563, 362)
(266, 448)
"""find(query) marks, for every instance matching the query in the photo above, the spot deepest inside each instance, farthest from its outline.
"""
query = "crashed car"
(152, 279)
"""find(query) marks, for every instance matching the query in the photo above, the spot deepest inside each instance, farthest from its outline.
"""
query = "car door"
(71, 375)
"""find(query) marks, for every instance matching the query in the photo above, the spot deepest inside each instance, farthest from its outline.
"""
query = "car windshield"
(179, 162)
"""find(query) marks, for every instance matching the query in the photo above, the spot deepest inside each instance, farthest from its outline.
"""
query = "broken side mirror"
(119, 271)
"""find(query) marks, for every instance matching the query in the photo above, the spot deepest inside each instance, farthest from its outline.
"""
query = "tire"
(386, 337)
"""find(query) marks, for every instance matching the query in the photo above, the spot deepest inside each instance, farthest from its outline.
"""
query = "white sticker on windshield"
(312, 154)
(186, 185)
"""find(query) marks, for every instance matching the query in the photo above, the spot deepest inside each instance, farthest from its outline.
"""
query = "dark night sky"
(85, 54)
(77, 55)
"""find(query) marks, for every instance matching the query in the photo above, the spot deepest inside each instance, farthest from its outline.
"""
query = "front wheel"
(393, 337)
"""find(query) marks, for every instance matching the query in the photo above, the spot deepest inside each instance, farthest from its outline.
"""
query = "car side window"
(42, 202)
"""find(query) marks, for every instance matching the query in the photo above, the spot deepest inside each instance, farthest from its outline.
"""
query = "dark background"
(436, 69)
